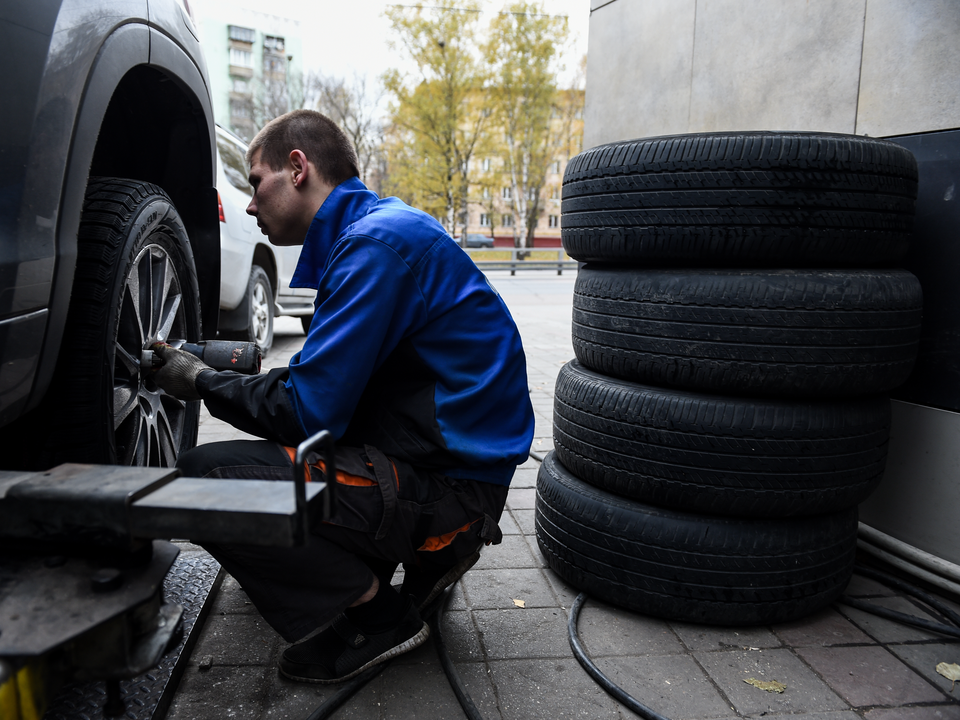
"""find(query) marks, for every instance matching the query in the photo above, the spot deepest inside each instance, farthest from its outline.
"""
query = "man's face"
(275, 203)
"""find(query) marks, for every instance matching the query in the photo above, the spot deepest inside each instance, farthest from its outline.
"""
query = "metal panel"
(918, 498)
(934, 258)
(259, 512)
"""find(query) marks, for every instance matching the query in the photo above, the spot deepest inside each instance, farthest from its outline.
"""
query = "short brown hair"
(324, 144)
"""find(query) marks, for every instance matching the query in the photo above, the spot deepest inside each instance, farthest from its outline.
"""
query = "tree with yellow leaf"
(436, 117)
(522, 51)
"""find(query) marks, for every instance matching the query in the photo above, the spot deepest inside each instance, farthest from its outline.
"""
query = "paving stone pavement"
(840, 664)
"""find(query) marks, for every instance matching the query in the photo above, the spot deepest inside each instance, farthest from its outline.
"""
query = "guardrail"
(514, 263)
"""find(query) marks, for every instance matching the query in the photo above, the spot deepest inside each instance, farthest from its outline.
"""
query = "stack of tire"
(736, 329)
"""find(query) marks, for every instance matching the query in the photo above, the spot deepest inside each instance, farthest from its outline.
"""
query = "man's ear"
(299, 167)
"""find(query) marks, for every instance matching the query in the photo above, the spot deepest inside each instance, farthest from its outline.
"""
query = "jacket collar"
(348, 202)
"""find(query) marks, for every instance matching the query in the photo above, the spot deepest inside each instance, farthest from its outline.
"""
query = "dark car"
(109, 236)
(476, 240)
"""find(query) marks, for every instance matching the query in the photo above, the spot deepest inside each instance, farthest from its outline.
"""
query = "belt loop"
(383, 471)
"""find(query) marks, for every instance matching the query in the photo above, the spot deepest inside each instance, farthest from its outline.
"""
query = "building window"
(484, 220)
(555, 193)
(554, 221)
(486, 193)
(241, 58)
(532, 194)
(240, 109)
(556, 166)
(507, 193)
(274, 64)
(241, 34)
(486, 164)
(241, 86)
(507, 221)
(271, 42)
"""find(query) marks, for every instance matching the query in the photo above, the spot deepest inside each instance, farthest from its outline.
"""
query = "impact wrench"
(241, 357)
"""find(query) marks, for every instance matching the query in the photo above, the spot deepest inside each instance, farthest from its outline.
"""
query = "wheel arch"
(144, 115)
(264, 256)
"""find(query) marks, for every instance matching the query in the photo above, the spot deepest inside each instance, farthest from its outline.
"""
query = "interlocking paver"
(508, 526)
(672, 685)
(805, 692)
(522, 499)
(499, 589)
(235, 692)
(237, 640)
(827, 627)
(287, 700)
(523, 633)
(460, 636)
(870, 675)
(232, 600)
(526, 520)
(925, 658)
(512, 552)
(929, 712)
(556, 689)
(703, 637)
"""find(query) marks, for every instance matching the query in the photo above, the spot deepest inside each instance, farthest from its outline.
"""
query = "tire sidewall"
(258, 276)
(157, 222)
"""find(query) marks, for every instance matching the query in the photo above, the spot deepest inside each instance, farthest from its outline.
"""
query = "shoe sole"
(453, 574)
(405, 646)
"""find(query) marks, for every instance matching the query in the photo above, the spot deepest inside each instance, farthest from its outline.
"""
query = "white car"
(254, 275)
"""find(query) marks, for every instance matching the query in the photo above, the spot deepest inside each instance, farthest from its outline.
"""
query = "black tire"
(763, 333)
(741, 199)
(718, 455)
(687, 567)
(260, 310)
(135, 283)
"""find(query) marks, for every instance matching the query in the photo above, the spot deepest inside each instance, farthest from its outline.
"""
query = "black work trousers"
(386, 513)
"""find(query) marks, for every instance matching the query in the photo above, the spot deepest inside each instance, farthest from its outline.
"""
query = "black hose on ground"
(611, 688)
(331, 704)
(897, 583)
(904, 618)
(453, 677)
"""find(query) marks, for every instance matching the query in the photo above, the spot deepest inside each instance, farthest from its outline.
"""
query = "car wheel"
(260, 309)
(135, 284)
(690, 567)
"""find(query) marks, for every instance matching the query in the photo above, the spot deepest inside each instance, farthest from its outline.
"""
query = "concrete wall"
(876, 67)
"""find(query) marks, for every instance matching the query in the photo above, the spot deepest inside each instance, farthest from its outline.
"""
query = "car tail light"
(220, 208)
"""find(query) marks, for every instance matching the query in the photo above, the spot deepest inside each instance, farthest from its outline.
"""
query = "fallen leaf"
(771, 686)
(519, 603)
(950, 672)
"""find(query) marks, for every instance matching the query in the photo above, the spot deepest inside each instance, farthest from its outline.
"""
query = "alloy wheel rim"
(148, 424)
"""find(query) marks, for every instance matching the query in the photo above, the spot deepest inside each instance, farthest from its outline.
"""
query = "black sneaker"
(425, 584)
(343, 650)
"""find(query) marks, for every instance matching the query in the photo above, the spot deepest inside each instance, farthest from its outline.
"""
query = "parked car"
(476, 240)
(108, 228)
(255, 275)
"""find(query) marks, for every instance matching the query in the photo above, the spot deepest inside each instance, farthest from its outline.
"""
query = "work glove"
(178, 374)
